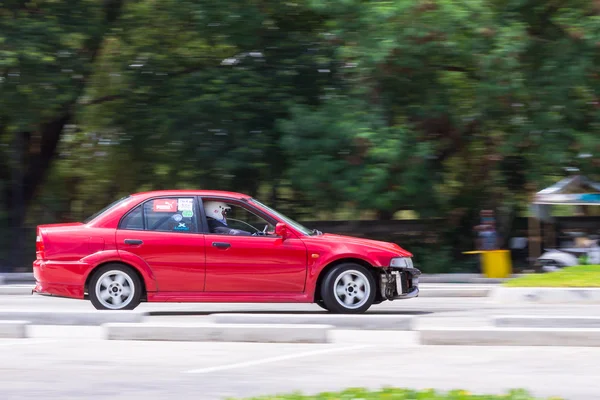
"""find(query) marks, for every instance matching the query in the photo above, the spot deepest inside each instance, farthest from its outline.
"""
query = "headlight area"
(400, 280)
(401, 262)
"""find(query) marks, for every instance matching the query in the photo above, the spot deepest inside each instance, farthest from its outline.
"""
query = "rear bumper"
(59, 279)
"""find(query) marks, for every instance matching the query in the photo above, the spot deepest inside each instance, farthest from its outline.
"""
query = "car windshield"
(105, 209)
(288, 220)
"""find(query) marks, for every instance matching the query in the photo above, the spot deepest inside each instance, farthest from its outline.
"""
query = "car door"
(164, 232)
(253, 264)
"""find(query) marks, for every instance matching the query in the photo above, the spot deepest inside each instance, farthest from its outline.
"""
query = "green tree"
(47, 55)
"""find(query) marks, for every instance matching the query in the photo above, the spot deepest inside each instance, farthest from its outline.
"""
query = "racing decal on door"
(164, 205)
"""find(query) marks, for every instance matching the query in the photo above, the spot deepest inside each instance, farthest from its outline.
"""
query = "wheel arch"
(133, 267)
(372, 269)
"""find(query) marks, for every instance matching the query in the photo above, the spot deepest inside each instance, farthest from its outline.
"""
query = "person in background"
(487, 235)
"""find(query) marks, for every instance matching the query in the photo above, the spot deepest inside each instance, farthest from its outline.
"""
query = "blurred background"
(396, 120)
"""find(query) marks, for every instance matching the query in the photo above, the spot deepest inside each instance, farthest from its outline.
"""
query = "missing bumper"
(399, 283)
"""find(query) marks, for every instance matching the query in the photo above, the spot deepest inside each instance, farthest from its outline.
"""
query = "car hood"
(377, 244)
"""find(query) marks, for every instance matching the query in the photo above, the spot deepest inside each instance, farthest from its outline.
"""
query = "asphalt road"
(453, 311)
(54, 366)
(63, 362)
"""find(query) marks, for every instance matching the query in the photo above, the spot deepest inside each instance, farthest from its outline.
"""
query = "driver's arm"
(228, 231)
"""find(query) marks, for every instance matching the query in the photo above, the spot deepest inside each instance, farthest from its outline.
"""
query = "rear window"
(105, 209)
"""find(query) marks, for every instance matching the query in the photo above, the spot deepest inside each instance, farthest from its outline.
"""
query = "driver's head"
(217, 210)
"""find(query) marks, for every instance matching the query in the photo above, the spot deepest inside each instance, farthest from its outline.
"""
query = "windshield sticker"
(177, 217)
(188, 213)
(164, 205)
(185, 204)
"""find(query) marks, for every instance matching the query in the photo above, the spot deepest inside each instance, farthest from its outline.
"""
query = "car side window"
(238, 221)
(173, 214)
(133, 220)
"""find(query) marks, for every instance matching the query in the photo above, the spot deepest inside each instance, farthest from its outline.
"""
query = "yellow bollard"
(494, 263)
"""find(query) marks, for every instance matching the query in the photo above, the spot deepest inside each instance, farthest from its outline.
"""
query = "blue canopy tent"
(576, 190)
(573, 190)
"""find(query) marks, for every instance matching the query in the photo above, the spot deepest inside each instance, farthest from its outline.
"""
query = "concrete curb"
(363, 321)
(89, 318)
(454, 292)
(13, 329)
(462, 278)
(15, 290)
(510, 337)
(256, 333)
(536, 321)
(16, 277)
(542, 295)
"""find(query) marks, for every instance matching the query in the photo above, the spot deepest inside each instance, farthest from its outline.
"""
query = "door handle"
(133, 241)
(221, 245)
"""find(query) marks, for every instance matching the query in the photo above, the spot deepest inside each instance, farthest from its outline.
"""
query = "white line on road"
(275, 359)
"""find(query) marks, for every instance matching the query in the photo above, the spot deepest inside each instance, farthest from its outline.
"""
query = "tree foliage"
(435, 106)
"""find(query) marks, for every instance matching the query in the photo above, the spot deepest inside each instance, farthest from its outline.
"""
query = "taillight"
(39, 247)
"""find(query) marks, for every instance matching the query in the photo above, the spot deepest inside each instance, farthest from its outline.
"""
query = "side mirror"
(281, 230)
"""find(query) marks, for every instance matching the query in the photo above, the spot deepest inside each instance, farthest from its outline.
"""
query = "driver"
(216, 212)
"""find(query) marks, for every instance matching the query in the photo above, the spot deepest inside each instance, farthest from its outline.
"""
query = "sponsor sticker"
(185, 204)
(164, 205)
(188, 213)
(182, 227)
(177, 217)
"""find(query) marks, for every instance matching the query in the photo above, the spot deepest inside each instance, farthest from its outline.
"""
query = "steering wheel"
(261, 233)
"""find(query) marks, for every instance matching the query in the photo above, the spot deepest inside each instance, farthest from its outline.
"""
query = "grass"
(404, 394)
(578, 276)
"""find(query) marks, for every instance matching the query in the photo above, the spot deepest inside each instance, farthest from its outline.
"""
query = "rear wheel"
(348, 288)
(115, 287)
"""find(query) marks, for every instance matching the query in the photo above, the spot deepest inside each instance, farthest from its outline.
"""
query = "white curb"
(543, 295)
(510, 337)
(12, 290)
(258, 333)
(454, 292)
(13, 329)
(52, 317)
(364, 321)
(536, 321)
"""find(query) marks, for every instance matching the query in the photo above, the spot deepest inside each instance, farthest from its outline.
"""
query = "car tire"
(348, 289)
(321, 304)
(115, 287)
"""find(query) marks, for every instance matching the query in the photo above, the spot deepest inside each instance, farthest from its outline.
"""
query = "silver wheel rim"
(351, 289)
(115, 289)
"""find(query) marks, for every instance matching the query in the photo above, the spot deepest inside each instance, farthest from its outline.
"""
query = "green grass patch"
(578, 276)
(405, 394)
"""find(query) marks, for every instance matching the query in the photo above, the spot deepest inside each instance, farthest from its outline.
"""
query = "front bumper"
(397, 283)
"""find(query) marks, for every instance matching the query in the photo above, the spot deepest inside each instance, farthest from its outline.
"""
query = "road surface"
(70, 362)
(55, 366)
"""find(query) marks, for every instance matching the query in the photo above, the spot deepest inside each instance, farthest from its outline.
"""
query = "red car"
(214, 246)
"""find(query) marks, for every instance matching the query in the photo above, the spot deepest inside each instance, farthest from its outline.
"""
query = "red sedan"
(213, 246)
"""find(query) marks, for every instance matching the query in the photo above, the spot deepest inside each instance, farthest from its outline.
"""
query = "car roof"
(191, 192)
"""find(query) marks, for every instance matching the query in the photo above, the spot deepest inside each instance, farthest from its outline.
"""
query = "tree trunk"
(29, 168)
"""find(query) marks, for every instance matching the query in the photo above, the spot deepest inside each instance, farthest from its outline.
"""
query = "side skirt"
(223, 297)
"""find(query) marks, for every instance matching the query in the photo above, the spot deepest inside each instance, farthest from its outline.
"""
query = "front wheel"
(115, 287)
(348, 289)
